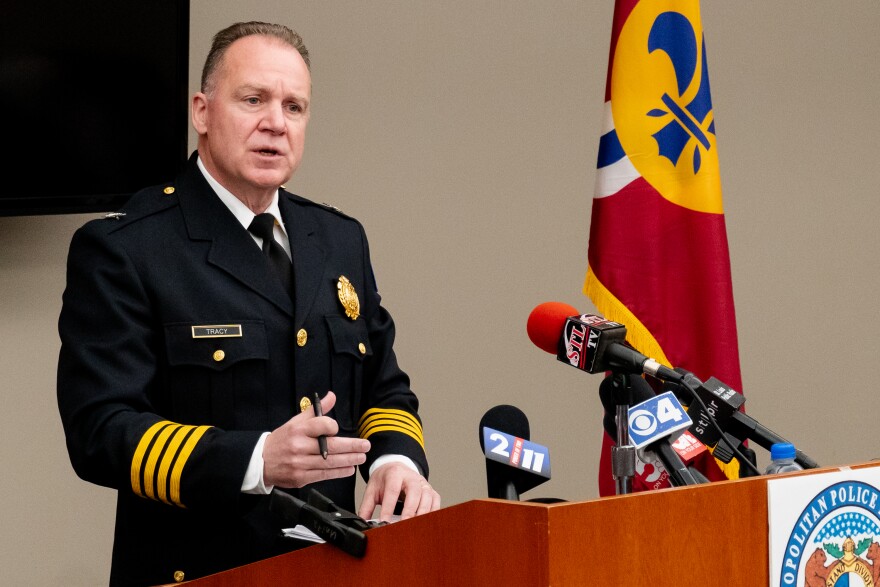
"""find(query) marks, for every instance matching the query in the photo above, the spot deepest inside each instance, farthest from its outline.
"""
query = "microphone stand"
(323, 517)
(623, 454)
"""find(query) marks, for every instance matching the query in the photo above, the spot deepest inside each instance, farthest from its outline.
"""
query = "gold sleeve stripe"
(367, 426)
(181, 461)
(388, 420)
(388, 413)
(395, 429)
(139, 453)
(155, 452)
(403, 418)
(167, 459)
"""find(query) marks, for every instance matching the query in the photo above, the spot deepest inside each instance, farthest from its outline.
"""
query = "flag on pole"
(658, 257)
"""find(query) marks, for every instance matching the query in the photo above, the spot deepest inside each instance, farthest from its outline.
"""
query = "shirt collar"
(241, 212)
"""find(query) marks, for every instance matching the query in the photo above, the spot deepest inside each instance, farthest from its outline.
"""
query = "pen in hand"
(322, 440)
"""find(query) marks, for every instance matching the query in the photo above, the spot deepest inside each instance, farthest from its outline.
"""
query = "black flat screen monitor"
(94, 100)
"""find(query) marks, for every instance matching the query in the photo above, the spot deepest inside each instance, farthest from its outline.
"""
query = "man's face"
(252, 125)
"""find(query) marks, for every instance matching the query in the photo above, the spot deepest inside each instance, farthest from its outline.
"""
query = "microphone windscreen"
(546, 322)
(641, 390)
(504, 418)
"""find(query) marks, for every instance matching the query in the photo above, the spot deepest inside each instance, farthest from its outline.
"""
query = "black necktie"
(263, 226)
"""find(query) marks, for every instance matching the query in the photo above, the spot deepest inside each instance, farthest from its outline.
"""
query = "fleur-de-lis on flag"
(673, 34)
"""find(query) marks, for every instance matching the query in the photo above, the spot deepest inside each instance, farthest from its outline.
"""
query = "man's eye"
(294, 108)
(252, 100)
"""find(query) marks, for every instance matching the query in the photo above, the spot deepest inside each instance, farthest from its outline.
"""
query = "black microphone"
(589, 342)
(319, 514)
(513, 464)
(682, 389)
(679, 473)
(724, 403)
(706, 427)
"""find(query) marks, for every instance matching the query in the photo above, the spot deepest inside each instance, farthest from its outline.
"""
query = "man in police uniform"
(187, 370)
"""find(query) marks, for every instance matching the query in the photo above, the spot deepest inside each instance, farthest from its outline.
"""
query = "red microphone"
(589, 342)
(546, 322)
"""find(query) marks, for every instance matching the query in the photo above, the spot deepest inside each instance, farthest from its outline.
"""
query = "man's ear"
(199, 113)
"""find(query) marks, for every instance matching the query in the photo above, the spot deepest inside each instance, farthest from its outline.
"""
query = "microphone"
(683, 389)
(319, 514)
(589, 342)
(723, 403)
(514, 465)
(655, 443)
(706, 427)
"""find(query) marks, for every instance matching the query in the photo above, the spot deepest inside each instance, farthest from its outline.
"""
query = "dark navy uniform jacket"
(159, 405)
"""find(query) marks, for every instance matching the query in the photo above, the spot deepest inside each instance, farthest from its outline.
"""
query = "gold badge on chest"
(348, 297)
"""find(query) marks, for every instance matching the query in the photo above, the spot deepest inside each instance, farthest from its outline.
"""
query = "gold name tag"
(217, 331)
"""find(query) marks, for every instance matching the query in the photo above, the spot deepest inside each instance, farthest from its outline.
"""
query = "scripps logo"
(661, 103)
(835, 539)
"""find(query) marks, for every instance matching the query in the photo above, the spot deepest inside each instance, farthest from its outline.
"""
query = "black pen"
(322, 440)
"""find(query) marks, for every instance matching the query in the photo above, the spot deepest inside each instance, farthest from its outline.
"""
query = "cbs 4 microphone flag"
(658, 256)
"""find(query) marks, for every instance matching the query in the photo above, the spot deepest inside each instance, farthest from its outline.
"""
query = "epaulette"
(333, 209)
(143, 203)
(322, 205)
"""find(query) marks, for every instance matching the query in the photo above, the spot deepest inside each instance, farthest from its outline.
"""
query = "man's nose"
(273, 119)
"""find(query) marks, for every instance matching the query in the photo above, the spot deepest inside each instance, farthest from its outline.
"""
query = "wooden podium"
(712, 534)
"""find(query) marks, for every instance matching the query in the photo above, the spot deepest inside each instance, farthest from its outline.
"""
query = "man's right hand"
(290, 453)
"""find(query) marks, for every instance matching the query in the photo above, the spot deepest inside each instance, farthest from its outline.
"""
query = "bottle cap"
(782, 450)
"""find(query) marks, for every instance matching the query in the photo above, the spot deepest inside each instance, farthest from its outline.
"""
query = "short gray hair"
(223, 39)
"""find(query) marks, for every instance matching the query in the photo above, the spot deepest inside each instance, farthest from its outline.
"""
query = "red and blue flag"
(658, 255)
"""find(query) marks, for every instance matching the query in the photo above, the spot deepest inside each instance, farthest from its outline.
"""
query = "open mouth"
(268, 152)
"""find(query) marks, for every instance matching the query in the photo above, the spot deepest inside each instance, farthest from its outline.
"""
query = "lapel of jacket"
(308, 257)
(232, 250)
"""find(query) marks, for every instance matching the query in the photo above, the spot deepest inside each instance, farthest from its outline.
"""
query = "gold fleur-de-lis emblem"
(348, 297)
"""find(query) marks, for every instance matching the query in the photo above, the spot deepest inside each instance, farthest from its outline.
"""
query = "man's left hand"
(388, 483)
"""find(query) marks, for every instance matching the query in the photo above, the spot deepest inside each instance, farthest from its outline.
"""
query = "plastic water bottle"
(782, 459)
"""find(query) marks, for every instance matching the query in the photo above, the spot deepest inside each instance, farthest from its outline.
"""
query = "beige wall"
(464, 135)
